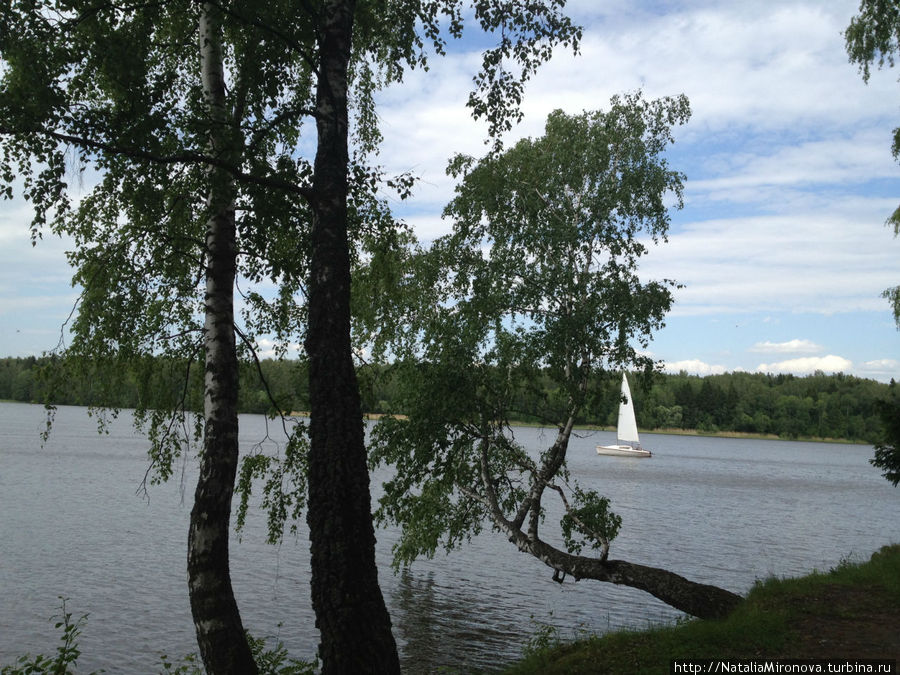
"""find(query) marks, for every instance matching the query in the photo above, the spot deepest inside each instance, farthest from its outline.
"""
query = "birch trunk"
(351, 616)
(700, 600)
(220, 633)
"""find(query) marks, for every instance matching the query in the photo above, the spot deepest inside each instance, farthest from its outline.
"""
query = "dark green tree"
(357, 37)
(538, 278)
(873, 38)
(887, 450)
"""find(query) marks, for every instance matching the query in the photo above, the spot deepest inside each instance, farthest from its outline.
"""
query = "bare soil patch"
(840, 621)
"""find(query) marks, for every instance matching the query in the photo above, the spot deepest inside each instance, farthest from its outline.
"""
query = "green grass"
(822, 614)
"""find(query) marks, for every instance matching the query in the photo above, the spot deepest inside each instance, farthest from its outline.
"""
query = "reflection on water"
(435, 625)
(418, 628)
(720, 511)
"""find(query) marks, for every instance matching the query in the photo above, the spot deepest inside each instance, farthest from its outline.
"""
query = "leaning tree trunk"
(220, 633)
(353, 622)
(700, 600)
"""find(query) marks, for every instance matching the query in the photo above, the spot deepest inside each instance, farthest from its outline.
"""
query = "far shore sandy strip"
(368, 416)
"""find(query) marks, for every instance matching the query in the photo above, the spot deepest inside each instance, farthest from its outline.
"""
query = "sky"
(781, 245)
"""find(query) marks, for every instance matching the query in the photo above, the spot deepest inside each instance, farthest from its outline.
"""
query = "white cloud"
(789, 347)
(428, 226)
(693, 367)
(808, 364)
(820, 262)
(778, 72)
(772, 166)
(880, 369)
(764, 65)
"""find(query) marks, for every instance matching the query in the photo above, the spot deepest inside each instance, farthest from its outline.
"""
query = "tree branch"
(604, 541)
(263, 379)
(186, 157)
(549, 468)
(286, 39)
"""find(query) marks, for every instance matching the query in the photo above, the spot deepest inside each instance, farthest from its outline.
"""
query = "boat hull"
(622, 451)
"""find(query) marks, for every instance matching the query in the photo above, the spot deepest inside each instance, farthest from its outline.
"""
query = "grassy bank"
(851, 612)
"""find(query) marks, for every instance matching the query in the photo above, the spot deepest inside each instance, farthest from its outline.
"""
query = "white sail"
(628, 443)
(627, 431)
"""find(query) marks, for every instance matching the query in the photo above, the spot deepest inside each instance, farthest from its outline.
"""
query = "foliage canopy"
(537, 279)
(109, 96)
(873, 38)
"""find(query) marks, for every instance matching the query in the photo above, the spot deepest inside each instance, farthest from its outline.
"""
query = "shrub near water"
(271, 661)
(67, 653)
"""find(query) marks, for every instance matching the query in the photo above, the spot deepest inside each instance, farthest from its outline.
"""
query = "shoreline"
(747, 435)
(696, 432)
(665, 431)
(593, 427)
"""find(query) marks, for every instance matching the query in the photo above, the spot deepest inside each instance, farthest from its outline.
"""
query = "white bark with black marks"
(220, 633)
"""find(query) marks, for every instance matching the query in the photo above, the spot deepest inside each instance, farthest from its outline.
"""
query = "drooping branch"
(700, 600)
(262, 377)
(177, 415)
(186, 157)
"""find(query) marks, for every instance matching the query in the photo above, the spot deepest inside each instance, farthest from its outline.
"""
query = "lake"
(719, 511)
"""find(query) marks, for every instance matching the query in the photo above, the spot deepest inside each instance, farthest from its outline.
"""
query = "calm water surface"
(719, 511)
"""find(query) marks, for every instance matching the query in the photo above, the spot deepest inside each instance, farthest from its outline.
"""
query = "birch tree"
(537, 281)
(190, 117)
(873, 39)
(169, 111)
(220, 633)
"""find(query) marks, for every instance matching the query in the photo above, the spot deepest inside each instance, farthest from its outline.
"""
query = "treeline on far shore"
(840, 407)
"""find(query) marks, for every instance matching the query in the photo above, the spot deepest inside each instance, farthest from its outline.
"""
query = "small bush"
(67, 653)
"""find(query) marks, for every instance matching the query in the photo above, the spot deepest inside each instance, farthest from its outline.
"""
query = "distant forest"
(816, 406)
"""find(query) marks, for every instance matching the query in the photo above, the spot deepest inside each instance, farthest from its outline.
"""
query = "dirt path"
(840, 621)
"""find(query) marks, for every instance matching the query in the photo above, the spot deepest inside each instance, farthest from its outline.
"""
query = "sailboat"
(627, 439)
